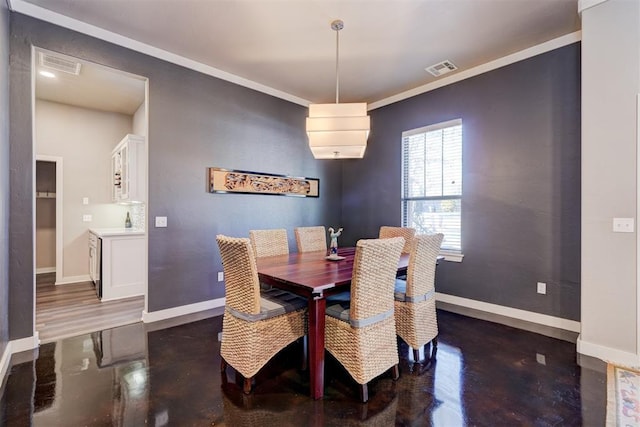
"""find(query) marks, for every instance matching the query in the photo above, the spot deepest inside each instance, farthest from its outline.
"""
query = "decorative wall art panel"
(235, 181)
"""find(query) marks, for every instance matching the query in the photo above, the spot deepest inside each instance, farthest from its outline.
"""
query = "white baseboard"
(4, 361)
(607, 354)
(155, 316)
(42, 270)
(515, 313)
(74, 279)
(24, 344)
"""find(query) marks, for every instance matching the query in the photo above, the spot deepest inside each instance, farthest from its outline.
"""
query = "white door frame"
(637, 230)
(58, 161)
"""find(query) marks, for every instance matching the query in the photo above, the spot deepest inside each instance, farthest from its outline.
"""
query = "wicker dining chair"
(269, 242)
(311, 239)
(257, 323)
(415, 300)
(361, 333)
(406, 232)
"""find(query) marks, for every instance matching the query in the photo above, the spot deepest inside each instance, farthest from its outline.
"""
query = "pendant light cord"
(337, 25)
(337, 67)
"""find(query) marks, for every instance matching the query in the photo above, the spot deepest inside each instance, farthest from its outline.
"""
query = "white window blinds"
(432, 181)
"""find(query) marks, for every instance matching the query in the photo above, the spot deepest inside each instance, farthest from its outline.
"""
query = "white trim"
(33, 192)
(155, 316)
(43, 270)
(24, 344)
(515, 313)
(26, 8)
(452, 256)
(637, 234)
(59, 161)
(146, 192)
(4, 361)
(587, 4)
(431, 128)
(480, 69)
(608, 354)
(74, 279)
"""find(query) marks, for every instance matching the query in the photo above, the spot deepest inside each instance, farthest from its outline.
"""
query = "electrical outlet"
(623, 225)
(220, 276)
(85, 200)
(161, 221)
(542, 288)
(541, 359)
(87, 218)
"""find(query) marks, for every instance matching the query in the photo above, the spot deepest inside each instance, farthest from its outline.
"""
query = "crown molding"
(26, 8)
(480, 69)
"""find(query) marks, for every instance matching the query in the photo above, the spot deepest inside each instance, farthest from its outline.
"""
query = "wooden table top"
(311, 270)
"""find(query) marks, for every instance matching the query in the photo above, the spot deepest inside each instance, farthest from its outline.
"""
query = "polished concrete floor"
(484, 374)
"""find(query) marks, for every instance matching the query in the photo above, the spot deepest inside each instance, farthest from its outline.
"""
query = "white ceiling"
(96, 87)
(288, 45)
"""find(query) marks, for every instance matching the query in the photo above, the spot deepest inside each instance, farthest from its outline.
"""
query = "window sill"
(452, 256)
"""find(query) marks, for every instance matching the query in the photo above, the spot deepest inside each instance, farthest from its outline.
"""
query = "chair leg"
(305, 353)
(434, 347)
(364, 393)
(416, 355)
(247, 386)
(223, 370)
(395, 372)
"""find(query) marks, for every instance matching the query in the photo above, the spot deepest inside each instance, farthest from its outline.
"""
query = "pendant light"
(338, 131)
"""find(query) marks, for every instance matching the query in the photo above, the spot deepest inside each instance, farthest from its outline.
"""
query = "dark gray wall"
(4, 176)
(521, 181)
(195, 121)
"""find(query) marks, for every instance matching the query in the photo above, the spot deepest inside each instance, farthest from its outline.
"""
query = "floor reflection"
(483, 374)
(98, 377)
(449, 410)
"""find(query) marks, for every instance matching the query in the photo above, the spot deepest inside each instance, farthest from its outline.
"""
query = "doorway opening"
(81, 112)
(48, 202)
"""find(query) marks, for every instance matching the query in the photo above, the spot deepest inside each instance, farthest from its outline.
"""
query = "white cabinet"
(123, 266)
(128, 169)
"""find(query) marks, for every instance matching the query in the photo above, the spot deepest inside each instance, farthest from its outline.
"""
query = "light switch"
(87, 218)
(623, 225)
(85, 200)
(161, 221)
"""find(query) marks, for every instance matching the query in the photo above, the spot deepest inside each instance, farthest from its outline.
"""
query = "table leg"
(317, 306)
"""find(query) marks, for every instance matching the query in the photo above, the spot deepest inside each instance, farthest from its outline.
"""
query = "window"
(432, 182)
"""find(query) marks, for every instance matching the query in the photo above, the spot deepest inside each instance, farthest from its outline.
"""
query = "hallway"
(69, 310)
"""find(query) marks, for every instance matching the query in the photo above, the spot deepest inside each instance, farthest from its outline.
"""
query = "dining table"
(314, 276)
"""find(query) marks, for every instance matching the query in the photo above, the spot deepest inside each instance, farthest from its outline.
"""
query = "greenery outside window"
(432, 183)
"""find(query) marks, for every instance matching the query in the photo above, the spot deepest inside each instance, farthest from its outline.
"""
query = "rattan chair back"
(365, 343)
(406, 232)
(248, 343)
(311, 239)
(374, 274)
(421, 272)
(415, 315)
(269, 242)
(242, 286)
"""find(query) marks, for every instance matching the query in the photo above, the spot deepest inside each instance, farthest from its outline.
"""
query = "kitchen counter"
(119, 262)
(109, 232)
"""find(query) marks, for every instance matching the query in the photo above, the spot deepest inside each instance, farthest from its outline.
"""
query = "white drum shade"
(338, 131)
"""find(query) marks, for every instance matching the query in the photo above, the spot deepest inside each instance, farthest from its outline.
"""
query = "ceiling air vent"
(59, 63)
(441, 68)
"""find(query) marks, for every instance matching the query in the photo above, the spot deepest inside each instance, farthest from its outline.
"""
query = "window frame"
(449, 255)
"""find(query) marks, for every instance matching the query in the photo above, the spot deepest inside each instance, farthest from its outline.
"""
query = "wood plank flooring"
(69, 310)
